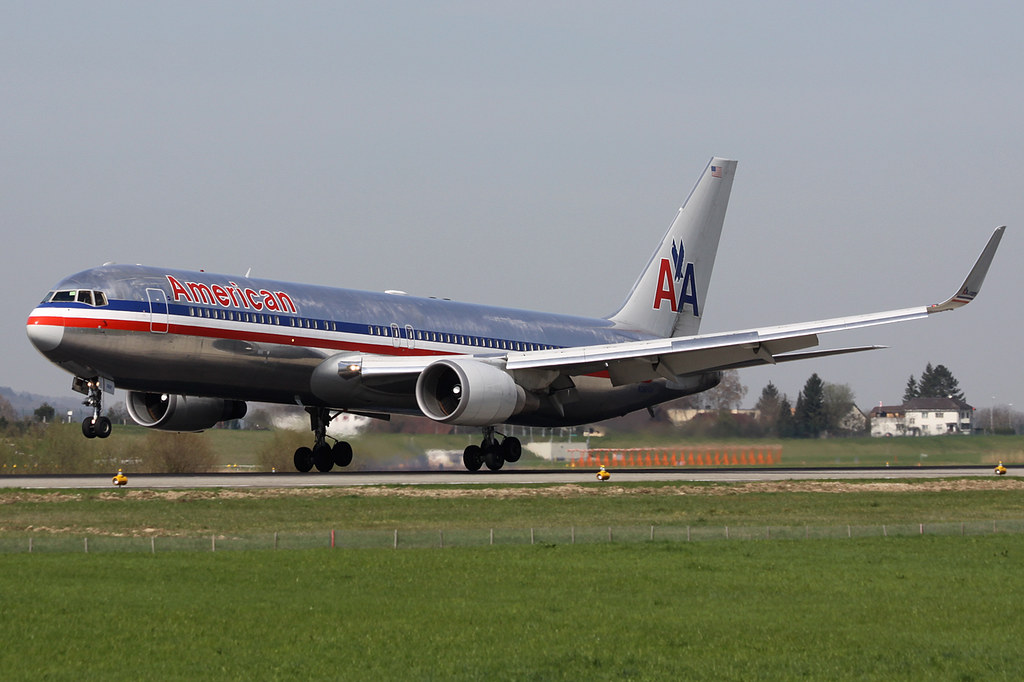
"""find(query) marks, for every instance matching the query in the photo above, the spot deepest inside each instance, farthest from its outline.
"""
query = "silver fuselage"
(203, 334)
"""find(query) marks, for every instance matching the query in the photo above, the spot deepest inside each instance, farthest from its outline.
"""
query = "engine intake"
(168, 412)
(468, 393)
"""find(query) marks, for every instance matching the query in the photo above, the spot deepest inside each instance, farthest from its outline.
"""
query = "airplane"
(191, 348)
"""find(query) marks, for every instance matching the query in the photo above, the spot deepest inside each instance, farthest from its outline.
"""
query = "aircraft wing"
(674, 357)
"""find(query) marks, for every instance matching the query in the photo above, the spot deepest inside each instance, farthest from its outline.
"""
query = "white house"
(923, 417)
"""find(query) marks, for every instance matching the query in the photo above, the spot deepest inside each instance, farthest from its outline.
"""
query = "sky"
(531, 155)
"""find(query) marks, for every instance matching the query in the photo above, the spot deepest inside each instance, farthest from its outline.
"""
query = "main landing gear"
(322, 456)
(95, 426)
(491, 452)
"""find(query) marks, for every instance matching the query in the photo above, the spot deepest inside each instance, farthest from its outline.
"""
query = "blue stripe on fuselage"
(333, 310)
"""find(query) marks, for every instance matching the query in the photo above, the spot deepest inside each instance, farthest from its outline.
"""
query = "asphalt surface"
(509, 476)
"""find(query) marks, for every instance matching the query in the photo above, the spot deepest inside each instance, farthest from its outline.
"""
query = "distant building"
(853, 422)
(923, 417)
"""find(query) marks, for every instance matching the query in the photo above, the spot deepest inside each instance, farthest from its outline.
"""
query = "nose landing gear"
(96, 426)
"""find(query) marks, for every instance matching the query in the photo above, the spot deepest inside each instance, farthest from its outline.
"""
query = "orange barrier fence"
(706, 456)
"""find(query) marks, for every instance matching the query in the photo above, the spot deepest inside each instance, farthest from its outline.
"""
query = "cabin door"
(158, 322)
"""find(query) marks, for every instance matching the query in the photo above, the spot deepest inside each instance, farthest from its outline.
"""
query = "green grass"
(202, 512)
(866, 609)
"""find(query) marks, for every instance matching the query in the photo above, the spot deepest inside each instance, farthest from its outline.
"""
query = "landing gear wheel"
(88, 428)
(511, 449)
(102, 427)
(492, 456)
(323, 458)
(303, 459)
(473, 457)
(342, 453)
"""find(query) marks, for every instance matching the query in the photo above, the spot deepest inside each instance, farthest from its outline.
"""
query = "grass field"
(867, 608)
(234, 511)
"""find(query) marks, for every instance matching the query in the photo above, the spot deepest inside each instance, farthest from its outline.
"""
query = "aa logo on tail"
(674, 276)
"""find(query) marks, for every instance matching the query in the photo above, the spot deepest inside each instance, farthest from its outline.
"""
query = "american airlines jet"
(190, 348)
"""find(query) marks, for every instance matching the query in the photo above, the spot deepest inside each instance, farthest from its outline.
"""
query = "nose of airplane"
(45, 333)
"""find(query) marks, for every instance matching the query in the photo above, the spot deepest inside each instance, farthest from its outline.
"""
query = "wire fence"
(423, 539)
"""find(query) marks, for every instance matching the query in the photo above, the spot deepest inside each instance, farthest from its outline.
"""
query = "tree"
(839, 403)
(728, 394)
(7, 410)
(785, 424)
(45, 412)
(939, 382)
(810, 409)
(768, 407)
(911, 391)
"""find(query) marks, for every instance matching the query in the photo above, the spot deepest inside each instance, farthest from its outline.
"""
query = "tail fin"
(668, 298)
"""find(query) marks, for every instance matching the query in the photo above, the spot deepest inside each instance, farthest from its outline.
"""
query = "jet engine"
(168, 412)
(468, 392)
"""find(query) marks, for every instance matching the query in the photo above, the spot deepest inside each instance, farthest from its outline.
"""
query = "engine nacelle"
(168, 412)
(468, 392)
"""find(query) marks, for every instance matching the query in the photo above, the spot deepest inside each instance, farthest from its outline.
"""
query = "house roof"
(936, 404)
(921, 405)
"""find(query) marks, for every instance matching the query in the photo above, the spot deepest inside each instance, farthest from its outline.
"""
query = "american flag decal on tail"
(716, 171)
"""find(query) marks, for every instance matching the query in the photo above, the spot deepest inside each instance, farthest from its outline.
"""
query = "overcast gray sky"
(531, 154)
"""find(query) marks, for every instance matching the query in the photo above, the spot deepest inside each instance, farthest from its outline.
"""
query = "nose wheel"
(96, 426)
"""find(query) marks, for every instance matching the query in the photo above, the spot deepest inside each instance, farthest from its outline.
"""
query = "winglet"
(972, 285)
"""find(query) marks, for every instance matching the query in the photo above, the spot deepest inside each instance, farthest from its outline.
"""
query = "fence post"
(213, 543)
(152, 544)
(652, 533)
(332, 538)
(86, 545)
(396, 538)
(30, 545)
(275, 539)
(572, 533)
(441, 534)
(885, 533)
(531, 536)
(492, 536)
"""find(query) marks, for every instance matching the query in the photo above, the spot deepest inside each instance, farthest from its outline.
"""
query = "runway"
(506, 477)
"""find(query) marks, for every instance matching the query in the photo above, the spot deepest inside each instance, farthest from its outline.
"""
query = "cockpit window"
(93, 298)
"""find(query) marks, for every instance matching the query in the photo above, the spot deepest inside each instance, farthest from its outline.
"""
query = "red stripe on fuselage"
(206, 331)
